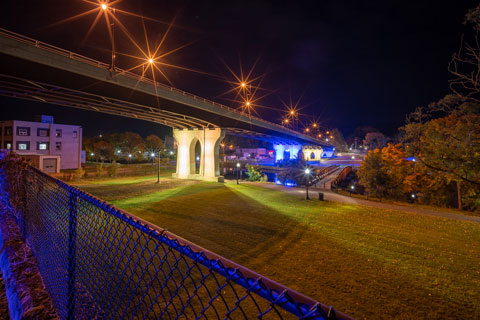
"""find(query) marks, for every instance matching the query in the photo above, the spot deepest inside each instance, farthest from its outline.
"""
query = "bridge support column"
(281, 150)
(208, 164)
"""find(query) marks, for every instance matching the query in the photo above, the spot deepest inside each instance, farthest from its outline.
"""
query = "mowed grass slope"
(367, 262)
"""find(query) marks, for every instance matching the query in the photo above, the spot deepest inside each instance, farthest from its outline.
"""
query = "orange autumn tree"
(384, 172)
(445, 139)
(450, 146)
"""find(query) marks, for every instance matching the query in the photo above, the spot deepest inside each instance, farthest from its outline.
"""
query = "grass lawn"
(366, 262)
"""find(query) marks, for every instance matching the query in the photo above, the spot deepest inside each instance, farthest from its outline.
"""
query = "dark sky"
(355, 63)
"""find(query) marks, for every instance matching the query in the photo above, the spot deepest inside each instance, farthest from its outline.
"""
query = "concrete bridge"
(37, 71)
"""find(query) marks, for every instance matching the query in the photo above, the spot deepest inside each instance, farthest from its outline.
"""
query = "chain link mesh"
(99, 262)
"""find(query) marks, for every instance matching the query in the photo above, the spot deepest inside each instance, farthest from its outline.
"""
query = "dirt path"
(332, 196)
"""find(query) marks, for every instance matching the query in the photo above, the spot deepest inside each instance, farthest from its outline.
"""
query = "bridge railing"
(98, 261)
(119, 71)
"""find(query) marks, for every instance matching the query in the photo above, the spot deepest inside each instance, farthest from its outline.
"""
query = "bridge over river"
(33, 70)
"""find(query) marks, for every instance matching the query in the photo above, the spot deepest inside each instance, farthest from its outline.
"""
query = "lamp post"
(352, 187)
(238, 170)
(158, 168)
(307, 175)
(353, 161)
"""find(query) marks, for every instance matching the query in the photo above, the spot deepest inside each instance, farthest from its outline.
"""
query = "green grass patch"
(366, 262)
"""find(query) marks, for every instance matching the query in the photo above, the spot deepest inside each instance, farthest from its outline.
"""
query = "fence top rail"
(286, 298)
(78, 57)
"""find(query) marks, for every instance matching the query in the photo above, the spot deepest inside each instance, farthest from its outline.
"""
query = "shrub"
(112, 170)
(99, 169)
(253, 174)
(79, 173)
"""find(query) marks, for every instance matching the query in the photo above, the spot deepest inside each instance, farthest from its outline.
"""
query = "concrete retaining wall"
(26, 294)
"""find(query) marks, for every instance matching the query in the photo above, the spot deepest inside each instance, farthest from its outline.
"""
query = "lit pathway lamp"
(238, 170)
(307, 180)
(353, 162)
(153, 158)
(352, 187)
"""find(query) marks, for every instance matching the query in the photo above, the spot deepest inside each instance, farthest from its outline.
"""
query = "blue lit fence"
(99, 262)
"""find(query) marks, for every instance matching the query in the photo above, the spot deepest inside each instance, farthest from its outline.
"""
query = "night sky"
(354, 63)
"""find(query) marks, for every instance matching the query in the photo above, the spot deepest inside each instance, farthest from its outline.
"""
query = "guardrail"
(78, 57)
(98, 261)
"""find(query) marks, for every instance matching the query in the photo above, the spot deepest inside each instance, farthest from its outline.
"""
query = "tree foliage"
(153, 143)
(445, 139)
(103, 150)
(252, 173)
(374, 140)
(384, 171)
(338, 140)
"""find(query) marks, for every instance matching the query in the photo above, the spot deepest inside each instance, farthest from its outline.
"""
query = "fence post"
(72, 238)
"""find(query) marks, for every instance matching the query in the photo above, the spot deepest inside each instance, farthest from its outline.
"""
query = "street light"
(352, 187)
(158, 168)
(153, 158)
(307, 175)
(353, 161)
(238, 170)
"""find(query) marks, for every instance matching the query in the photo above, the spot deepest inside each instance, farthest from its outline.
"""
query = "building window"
(23, 145)
(42, 132)
(42, 145)
(58, 146)
(312, 155)
(8, 145)
(58, 133)
(75, 134)
(23, 131)
(8, 131)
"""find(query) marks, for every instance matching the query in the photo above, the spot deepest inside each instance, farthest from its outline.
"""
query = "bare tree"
(465, 63)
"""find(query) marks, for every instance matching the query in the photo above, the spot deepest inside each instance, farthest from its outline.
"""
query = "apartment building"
(49, 146)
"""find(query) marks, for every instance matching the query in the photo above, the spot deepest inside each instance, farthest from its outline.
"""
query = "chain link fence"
(99, 262)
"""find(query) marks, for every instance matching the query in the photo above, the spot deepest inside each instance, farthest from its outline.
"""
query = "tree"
(338, 140)
(153, 144)
(103, 150)
(133, 145)
(445, 138)
(374, 140)
(465, 63)
(116, 140)
(384, 171)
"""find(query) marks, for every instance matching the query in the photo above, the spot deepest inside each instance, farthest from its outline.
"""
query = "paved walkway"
(335, 197)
